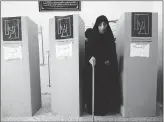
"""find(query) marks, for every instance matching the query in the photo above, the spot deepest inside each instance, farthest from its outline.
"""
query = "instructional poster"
(139, 50)
(12, 53)
(63, 50)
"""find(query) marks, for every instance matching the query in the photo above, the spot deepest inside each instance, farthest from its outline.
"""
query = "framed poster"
(64, 27)
(12, 29)
(141, 24)
(59, 6)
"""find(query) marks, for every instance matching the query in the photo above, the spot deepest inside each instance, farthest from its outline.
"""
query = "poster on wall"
(139, 50)
(141, 24)
(12, 53)
(12, 29)
(59, 6)
(64, 27)
(63, 50)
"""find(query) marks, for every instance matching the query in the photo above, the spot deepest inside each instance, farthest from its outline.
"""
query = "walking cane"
(93, 86)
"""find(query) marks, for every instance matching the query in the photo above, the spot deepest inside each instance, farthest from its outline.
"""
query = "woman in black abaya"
(102, 48)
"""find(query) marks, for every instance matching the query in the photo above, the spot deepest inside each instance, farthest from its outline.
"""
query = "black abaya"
(102, 47)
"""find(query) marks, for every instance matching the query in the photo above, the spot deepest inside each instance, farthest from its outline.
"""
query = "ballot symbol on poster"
(64, 27)
(12, 29)
(141, 24)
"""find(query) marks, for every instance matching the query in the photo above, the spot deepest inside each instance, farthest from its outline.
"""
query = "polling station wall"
(137, 49)
(21, 94)
(67, 45)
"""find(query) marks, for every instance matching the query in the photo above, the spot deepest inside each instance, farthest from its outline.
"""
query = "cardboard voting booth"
(67, 53)
(20, 83)
(137, 50)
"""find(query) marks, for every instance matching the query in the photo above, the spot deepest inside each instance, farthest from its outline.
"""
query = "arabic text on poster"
(12, 53)
(139, 50)
(63, 50)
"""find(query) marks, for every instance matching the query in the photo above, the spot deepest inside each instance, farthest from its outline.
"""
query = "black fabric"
(88, 33)
(107, 88)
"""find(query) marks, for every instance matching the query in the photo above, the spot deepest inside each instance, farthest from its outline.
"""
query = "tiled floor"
(44, 114)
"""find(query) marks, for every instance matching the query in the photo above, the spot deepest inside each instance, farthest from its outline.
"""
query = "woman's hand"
(92, 61)
(107, 62)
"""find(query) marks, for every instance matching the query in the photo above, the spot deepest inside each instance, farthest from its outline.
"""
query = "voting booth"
(67, 53)
(20, 72)
(137, 51)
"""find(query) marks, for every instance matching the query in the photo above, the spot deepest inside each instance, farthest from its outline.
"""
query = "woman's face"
(102, 27)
